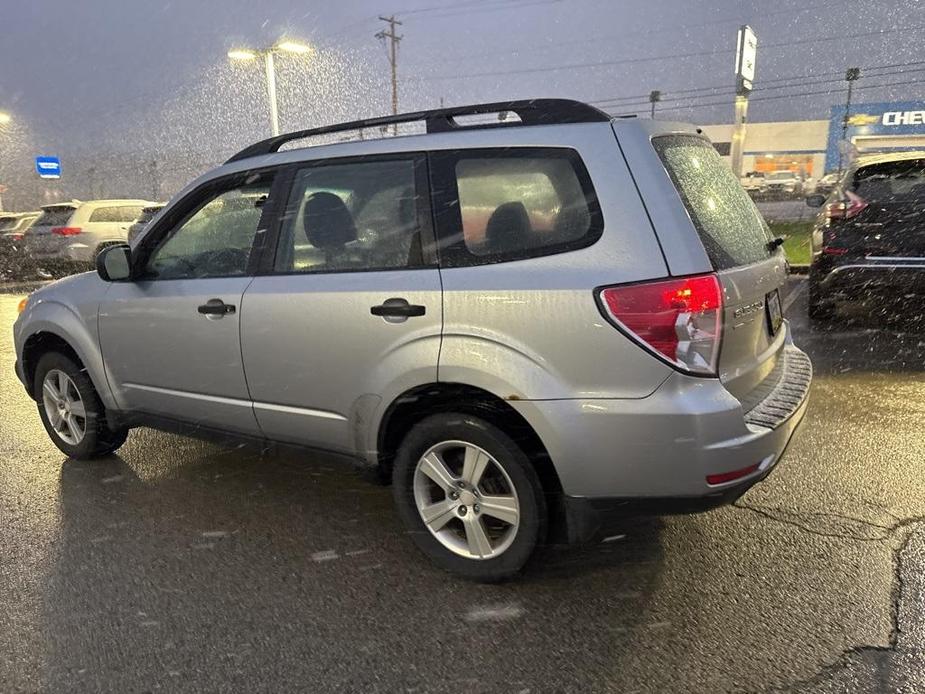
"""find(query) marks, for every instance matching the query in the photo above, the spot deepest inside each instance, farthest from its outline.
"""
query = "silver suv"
(69, 235)
(533, 325)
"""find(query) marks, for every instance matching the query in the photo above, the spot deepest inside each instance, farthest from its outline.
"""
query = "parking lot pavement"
(184, 566)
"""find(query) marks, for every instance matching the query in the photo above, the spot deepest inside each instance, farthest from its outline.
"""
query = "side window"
(106, 214)
(129, 214)
(216, 237)
(514, 204)
(354, 216)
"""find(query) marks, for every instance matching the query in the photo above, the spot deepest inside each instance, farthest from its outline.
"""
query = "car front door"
(171, 336)
(349, 313)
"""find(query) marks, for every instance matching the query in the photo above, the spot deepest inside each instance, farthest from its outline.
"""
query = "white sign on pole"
(746, 55)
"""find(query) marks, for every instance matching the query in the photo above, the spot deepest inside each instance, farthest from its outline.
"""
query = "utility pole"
(746, 53)
(852, 75)
(654, 97)
(394, 40)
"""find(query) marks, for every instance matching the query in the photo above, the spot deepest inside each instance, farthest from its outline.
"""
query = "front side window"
(216, 238)
(353, 216)
(513, 204)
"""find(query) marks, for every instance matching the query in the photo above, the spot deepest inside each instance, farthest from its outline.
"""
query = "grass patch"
(797, 237)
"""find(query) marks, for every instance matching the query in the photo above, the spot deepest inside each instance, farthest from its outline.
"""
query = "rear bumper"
(78, 252)
(889, 277)
(656, 452)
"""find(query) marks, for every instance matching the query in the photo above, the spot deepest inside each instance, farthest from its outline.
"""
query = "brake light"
(65, 231)
(852, 205)
(680, 319)
(16, 237)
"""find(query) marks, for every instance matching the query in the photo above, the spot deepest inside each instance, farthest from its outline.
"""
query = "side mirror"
(815, 200)
(114, 264)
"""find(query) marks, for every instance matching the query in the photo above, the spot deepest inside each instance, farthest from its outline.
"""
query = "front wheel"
(71, 410)
(469, 496)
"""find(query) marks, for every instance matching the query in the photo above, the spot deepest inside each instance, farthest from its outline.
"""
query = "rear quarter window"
(731, 228)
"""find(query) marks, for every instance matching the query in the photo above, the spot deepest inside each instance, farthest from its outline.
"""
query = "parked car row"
(67, 236)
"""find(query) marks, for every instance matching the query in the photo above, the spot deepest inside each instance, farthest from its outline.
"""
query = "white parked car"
(70, 234)
(754, 182)
(784, 183)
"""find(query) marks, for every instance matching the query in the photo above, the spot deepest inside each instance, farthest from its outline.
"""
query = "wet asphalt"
(183, 566)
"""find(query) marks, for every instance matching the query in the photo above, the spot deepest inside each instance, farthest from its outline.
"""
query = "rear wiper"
(774, 243)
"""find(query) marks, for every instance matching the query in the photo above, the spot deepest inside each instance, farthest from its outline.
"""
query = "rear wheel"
(71, 410)
(469, 496)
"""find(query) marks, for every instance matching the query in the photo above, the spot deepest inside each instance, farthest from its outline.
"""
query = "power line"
(695, 54)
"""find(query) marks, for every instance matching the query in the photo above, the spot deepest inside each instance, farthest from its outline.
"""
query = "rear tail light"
(65, 231)
(680, 320)
(16, 237)
(852, 205)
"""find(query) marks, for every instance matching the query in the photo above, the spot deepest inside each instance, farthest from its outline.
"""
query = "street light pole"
(852, 75)
(4, 119)
(285, 46)
(271, 93)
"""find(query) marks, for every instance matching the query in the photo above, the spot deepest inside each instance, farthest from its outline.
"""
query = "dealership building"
(811, 147)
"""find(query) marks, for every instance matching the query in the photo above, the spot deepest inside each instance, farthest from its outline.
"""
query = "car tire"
(64, 392)
(465, 538)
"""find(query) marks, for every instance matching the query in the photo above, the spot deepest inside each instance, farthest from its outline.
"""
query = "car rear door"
(349, 312)
(707, 223)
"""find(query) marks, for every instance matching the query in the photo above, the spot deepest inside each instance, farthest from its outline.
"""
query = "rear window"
(54, 216)
(7, 223)
(895, 181)
(515, 204)
(731, 228)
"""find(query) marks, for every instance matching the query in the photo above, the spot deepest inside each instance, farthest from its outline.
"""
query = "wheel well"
(39, 344)
(415, 404)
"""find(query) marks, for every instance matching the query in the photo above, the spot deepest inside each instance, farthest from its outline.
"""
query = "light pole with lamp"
(4, 119)
(285, 46)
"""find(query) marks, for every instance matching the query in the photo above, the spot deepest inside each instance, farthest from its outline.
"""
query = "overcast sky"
(154, 73)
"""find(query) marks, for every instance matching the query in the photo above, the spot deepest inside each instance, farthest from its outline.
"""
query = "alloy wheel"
(64, 407)
(466, 500)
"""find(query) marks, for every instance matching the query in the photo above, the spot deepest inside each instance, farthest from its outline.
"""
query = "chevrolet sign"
(904, 118)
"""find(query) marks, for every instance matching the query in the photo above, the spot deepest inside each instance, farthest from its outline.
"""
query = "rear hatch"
(884, 212)
(41, 238)
(716, 228)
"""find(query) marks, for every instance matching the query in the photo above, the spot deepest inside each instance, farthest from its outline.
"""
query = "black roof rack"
(531, 112)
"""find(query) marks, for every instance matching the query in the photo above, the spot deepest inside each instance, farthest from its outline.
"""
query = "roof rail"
(531, 112)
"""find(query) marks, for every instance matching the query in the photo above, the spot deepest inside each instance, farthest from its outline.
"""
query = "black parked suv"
(869, 240)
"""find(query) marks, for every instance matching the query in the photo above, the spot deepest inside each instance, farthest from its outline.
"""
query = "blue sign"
(48, 167)
(872, 121)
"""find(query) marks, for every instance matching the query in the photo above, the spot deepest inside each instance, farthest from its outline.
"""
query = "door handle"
(397, 308)
(216, 308)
